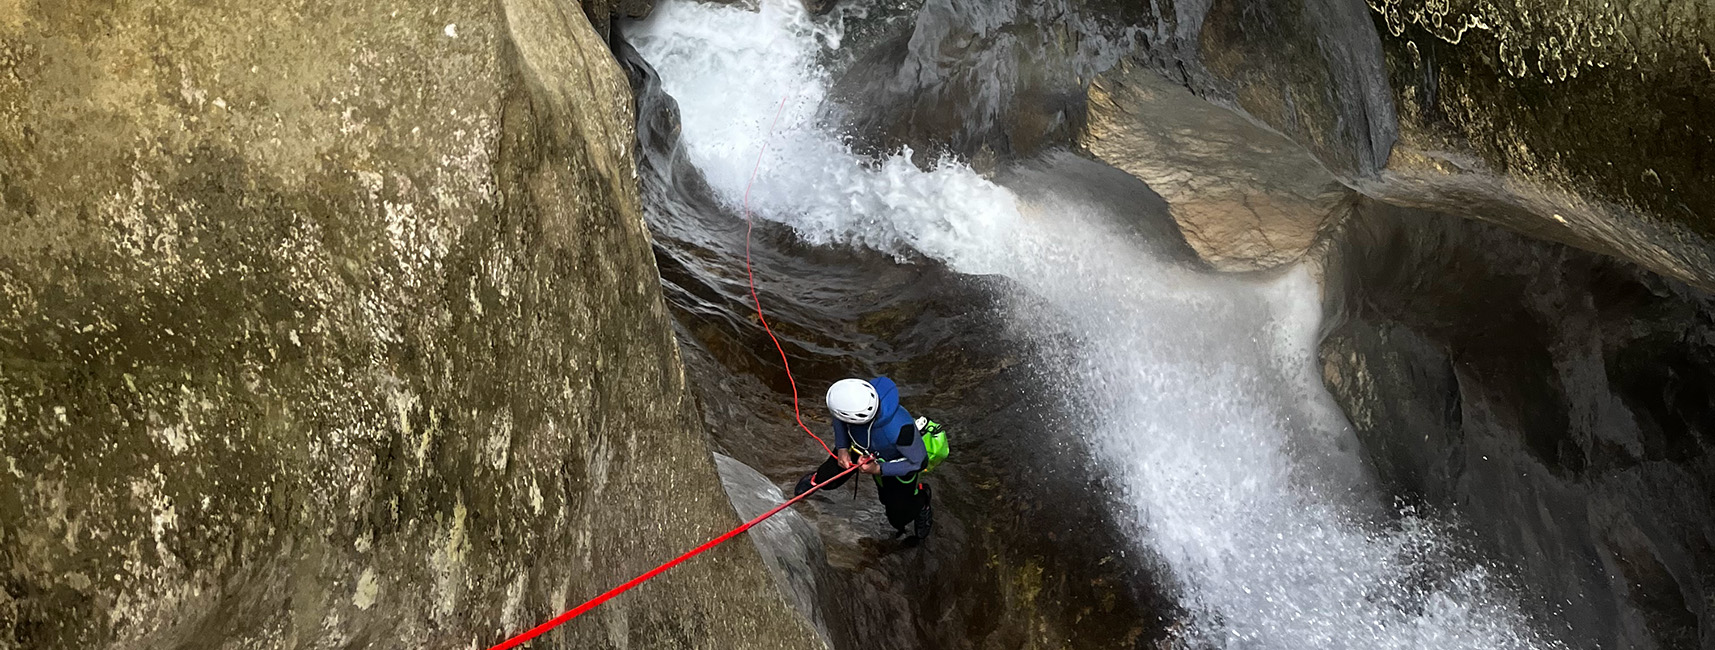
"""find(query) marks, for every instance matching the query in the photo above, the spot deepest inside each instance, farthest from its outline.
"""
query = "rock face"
(603, 13)
(1245, 197)
(1558, 400)
(1025, 553)
(335, 324)
(788, 542)
(1309, 68)
(1604, 99)
(982, 81)
(1581, 122)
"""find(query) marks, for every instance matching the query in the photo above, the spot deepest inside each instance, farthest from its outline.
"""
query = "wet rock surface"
(1025, 551)
(1533, 381)
(336, 325)
(1554, 399)
(1606, 99)
(1245, 197)
(1308, 68)
(988, 82)
(1579, 122)
(1498, 379)
(790, 545)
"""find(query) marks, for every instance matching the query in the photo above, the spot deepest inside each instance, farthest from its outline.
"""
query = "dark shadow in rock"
(1557, 399)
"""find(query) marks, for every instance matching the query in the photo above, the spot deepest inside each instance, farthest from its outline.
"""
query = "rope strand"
(592, 603)
(598, 600)
(750, 225)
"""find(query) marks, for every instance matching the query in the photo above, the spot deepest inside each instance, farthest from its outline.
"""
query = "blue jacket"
(892, 436)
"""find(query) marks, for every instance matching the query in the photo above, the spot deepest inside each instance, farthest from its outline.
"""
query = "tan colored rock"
(1245, 197)
(1538, 204)
(332, 323)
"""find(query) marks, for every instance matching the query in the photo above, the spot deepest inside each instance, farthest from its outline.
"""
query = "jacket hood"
(888, 393)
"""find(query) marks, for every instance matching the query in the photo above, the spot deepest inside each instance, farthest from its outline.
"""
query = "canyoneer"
(870, 427)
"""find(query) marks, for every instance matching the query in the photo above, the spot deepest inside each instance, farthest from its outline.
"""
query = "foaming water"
(1236, 466)
(735, 73)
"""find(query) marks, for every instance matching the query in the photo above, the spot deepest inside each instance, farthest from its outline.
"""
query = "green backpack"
(934, 443)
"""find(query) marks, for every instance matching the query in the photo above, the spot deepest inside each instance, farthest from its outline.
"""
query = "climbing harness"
(611, 593)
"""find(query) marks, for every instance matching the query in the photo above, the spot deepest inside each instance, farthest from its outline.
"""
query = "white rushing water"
(1234, 463)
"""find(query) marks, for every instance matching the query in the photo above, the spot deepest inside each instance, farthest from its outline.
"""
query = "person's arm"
(842, 439)
(842, 444)
(914, 453)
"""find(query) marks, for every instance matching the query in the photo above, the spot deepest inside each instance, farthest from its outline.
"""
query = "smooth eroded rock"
(1244, 196)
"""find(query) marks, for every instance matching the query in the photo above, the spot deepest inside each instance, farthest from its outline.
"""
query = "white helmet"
(853, 401)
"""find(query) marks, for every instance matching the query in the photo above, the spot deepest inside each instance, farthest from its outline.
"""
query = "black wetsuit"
(902, 496)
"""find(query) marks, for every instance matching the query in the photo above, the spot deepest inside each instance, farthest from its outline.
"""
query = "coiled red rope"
(592, 603)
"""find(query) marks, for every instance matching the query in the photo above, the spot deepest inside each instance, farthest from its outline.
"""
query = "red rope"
(611, 593)
(598, 600)
(749, 225)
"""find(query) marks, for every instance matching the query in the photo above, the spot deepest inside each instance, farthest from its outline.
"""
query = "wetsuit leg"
(901, 498)
(829, 469)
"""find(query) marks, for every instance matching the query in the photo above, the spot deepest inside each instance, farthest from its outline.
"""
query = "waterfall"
(1232, 463)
